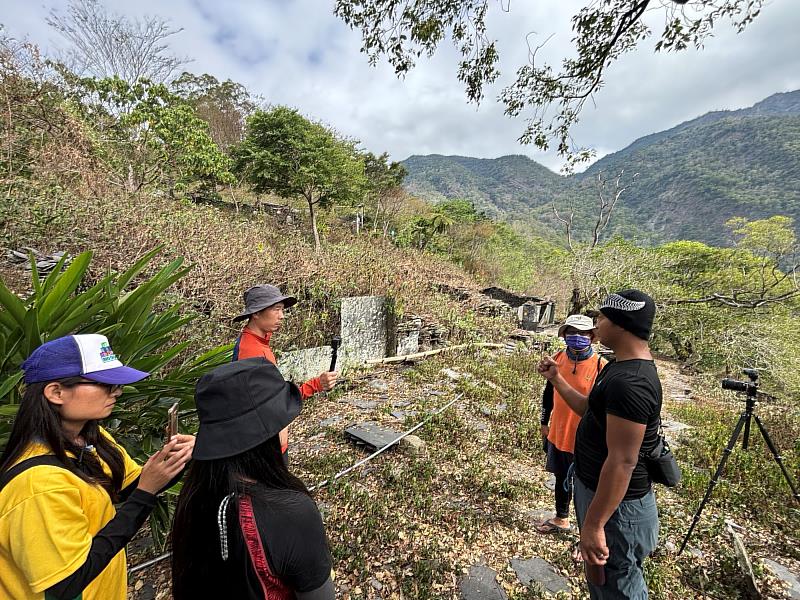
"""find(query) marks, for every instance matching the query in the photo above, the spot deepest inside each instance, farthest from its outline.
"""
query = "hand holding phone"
(171, 428)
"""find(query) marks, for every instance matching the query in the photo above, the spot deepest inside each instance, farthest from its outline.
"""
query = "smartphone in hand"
(172, 422)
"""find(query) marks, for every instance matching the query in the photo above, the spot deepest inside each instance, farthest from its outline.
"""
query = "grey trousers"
(631, 535)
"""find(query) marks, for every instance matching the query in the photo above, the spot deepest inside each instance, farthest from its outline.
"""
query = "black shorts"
(558, 461)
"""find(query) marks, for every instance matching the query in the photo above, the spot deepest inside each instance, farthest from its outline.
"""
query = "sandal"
(548, 526)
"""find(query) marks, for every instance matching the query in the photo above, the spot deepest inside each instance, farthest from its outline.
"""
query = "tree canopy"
(286, 154)
(604, 31)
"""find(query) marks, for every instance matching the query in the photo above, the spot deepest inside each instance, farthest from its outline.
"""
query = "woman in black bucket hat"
(245, 527)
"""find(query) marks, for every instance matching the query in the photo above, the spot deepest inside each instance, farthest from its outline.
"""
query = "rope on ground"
(342, 473)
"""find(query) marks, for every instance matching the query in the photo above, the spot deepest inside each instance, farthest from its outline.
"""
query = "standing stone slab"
(481, 584)
(302, 365)
(529, 316)
(365, 328)
(407, 343)
(751, 585)
(537, 570)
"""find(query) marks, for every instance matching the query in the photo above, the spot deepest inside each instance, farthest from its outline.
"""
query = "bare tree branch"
(102, 44)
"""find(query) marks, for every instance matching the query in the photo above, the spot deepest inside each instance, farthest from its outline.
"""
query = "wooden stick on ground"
(404, 357)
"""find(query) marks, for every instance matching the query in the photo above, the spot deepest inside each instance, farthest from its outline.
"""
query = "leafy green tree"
(286, 154)
(224, 105)
(149, 136)
(604, 31)
(762, 269)
(384, 192)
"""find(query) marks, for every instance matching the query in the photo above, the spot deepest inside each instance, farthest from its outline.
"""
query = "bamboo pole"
(404, 357)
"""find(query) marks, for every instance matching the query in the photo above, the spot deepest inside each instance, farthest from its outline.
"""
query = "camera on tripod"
(749, 387)
(748, 414)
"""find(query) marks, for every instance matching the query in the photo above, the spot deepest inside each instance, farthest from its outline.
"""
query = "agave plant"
(120, 306)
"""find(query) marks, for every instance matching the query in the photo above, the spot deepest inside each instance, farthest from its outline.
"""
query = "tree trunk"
(317, 245)
(575, 302)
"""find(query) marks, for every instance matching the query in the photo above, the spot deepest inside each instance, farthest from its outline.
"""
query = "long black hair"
(197, 565)
(38, 421)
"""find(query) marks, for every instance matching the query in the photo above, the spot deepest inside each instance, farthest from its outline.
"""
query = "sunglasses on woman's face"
(110, 388)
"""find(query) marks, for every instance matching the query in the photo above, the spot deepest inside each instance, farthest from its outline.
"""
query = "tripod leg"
(746, 438)
(745, 417)
(778, 458)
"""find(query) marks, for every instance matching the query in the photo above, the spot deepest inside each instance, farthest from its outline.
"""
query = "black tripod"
(751, 387)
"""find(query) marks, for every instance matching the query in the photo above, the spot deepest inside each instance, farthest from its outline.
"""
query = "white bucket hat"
(579, 322)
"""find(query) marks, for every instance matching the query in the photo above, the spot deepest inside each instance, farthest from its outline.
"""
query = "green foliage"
(604, 31)
(224, 105)
(62, 304)
(288, 155)
(141, 330)
(719, 308)
(691, 179)
(381, 174)
(148, 135)
(492, 251)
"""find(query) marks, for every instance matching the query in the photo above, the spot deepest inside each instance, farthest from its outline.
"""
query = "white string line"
(326, 482)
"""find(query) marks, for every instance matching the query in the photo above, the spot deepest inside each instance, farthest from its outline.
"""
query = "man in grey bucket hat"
(264, 307)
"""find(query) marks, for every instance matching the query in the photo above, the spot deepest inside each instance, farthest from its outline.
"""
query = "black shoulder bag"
(660, 461)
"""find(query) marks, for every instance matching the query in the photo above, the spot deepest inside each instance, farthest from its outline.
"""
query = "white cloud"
(297, 52)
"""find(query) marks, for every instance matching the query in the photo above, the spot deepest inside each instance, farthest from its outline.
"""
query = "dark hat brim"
(262, 419)
(287, 302)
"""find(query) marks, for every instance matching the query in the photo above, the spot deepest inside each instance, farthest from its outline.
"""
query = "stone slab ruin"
(481, 584)
(537, 570)
(301, 365)
(364, 328)
(371, 435)
(790, 579)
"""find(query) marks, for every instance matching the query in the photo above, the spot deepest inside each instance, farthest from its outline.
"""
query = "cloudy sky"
(296, 52)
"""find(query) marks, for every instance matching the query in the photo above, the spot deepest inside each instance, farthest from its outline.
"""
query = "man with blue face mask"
(579, 365)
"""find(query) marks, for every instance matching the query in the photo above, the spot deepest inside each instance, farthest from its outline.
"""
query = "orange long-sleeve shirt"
(250, 345)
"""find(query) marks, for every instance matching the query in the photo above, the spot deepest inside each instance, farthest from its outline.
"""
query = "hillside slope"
(691, 178)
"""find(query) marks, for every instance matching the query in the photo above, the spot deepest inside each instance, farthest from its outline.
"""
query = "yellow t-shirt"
(48, 517)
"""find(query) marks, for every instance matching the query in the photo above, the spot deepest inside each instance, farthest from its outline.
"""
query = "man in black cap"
(614, 500)
(263, 309)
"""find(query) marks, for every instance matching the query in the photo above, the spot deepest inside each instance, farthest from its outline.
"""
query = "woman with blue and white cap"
(61, 474)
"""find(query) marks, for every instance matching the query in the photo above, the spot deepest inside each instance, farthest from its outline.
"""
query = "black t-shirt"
(628, 389)
(294, 541)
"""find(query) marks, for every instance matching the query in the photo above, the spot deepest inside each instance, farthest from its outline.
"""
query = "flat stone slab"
(371, 435)
(481, 584)
(364, 404)
(537, 570)
(787, 576)
(402, 414)
(539, 515)
(302, 365)
(330, 421)
(377, 384)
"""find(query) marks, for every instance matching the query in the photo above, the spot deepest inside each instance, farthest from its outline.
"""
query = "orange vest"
(563, 420)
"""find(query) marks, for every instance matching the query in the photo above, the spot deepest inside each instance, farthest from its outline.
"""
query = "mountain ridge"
(692, 177)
